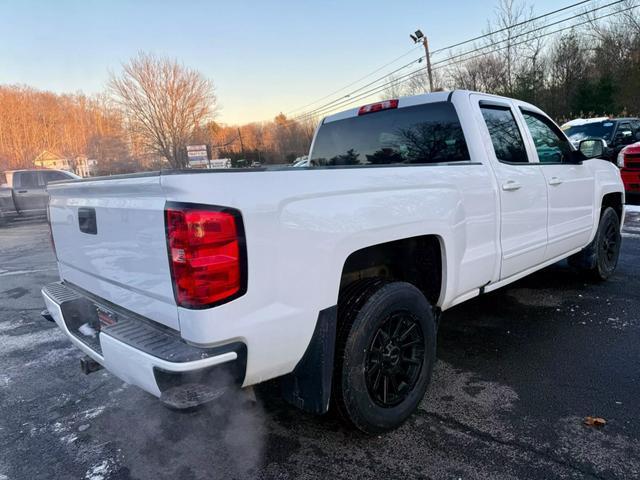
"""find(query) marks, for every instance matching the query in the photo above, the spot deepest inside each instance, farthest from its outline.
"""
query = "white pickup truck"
(331, 277)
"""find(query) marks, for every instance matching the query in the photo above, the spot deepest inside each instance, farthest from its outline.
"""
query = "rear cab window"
(417, 135)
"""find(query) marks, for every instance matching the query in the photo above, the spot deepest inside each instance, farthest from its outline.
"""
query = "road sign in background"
(197, 152)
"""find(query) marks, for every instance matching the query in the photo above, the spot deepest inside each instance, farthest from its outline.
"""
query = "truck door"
(570, 187)
(522, 189)
(29, 193)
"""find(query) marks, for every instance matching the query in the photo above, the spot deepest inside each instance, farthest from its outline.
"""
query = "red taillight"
(376, 107)
(206, 255)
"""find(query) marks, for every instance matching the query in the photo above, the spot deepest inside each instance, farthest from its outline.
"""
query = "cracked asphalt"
(518, 371)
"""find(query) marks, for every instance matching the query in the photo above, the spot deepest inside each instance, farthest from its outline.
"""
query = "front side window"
(551, 146)
(505, 135)
(421, 134)
(54, 176)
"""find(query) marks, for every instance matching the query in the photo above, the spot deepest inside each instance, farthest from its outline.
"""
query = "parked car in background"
(23, 192)
(331, 277)
(629, 163)
(617, 132)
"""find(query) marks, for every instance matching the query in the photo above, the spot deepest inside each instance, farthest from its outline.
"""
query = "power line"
(356, 81)
(541, 36)
(554, 12)
(543, 27)
(364, 86)
(342, 99)
(568, 7)
(408, 76)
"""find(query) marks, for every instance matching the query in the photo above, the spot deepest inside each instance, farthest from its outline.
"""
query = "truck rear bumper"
(150, 356)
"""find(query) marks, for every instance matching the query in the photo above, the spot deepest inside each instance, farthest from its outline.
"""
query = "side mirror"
(592, 148)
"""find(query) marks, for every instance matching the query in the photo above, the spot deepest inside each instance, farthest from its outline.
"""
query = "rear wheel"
(600, 258)
(385, 353)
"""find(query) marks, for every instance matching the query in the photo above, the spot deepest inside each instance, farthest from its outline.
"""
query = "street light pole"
(416, 37)
(425, 43)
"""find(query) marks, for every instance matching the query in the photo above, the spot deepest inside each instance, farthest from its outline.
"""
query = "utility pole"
(241, 142)
(416, 37)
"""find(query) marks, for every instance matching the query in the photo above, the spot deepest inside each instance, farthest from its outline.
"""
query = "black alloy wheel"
(610, 245)
(385, 352)
(394, 359)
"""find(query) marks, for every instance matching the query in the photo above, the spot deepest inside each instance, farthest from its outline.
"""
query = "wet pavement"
(519, 369)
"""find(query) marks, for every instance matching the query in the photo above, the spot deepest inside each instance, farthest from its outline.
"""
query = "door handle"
(510, 186)
(554, 181)
(22, 191)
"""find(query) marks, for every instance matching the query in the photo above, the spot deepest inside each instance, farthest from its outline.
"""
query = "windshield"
(429, 133)
(602, 130)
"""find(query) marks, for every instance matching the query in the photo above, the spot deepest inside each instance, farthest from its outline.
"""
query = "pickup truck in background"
(330, 277)
(616, 132)
(23, 192)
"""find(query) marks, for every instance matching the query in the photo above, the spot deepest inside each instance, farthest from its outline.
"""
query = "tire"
(600, 258)
(385, 352)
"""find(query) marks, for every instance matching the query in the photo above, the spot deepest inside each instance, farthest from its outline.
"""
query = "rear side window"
(422, 134)
(26, 179)
(505, 135)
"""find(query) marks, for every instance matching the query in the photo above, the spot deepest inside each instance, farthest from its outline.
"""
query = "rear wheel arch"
(418, 260)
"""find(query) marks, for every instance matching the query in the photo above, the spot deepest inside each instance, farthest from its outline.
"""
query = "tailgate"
(110, 241)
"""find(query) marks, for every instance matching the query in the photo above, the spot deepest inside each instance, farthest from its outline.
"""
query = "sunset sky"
(264, 57)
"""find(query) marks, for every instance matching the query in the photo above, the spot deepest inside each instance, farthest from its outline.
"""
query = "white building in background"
(85, 167)
(81, 165)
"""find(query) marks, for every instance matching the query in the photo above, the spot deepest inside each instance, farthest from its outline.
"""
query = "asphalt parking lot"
(519, 370)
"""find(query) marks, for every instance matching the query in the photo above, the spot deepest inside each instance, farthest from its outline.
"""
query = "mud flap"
(308, 387)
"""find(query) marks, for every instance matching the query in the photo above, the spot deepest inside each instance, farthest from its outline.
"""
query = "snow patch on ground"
(55, 356)
(632, 208)
(4, 382)
(29, 341)
(68, 439)
(99, 471)
(93, 412)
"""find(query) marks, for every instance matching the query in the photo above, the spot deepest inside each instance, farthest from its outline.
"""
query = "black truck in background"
(616, 132)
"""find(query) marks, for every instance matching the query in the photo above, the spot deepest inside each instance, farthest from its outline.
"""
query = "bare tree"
(165, 102)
